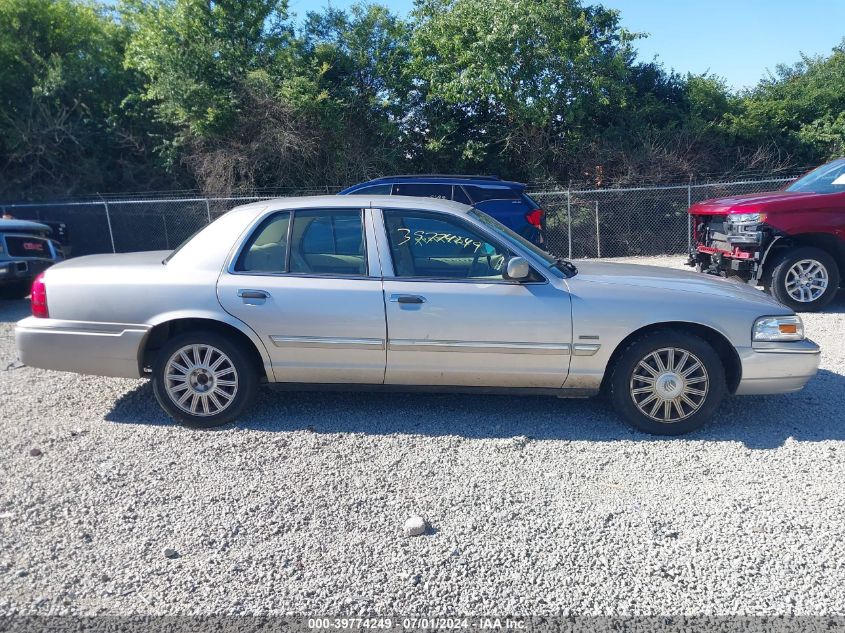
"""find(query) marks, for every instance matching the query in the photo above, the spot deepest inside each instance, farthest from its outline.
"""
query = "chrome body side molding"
(328, 342)
(492, 347)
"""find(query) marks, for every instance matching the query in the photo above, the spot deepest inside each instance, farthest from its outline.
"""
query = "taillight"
(38, 298)
(535, 218)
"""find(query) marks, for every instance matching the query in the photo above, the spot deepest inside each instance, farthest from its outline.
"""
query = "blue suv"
(503, 199)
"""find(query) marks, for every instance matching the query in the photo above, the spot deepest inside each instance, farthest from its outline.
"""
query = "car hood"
(674, 281)
(756, 202)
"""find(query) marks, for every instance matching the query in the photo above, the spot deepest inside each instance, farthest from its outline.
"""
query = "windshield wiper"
(566, 266)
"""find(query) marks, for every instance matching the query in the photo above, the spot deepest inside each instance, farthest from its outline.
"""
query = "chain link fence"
(122, 226)
(578, 223)
(583, 223)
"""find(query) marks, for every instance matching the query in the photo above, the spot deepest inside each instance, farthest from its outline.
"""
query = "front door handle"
(244, 293)
(407, 298)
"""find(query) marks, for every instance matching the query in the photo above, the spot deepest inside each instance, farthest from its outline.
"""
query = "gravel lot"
(536, 506)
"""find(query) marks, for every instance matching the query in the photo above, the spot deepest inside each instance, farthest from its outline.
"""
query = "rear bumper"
(102, 349)
(769, 368)
(18, 271)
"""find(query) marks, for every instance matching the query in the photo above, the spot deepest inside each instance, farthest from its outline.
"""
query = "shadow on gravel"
(12, 311)
(837, 306)
(761, 422)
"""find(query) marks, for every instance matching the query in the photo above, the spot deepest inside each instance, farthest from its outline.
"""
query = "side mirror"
(516, 269)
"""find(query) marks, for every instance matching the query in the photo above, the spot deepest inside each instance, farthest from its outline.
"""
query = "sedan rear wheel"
(202, 379)
(667, 382)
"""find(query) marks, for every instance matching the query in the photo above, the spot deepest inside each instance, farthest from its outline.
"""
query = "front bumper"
(723, 248)
(769, 368)
(102, 349)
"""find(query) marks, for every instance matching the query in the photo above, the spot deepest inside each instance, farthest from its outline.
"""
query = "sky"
(738, 40)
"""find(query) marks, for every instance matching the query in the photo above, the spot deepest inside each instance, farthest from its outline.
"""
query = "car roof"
(359, 202)
(22, 225)
(440, 179)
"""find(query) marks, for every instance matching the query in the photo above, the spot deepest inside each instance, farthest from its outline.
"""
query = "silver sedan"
(407, 293)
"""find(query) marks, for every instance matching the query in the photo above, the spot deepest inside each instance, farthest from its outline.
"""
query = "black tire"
(16, 291)
(777, 285)
(622, 382)
(245, 376)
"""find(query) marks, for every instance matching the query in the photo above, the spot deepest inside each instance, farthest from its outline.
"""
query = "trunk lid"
(110, 261)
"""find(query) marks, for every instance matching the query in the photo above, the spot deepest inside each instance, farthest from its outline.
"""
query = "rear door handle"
(407, 298)
(253, 294)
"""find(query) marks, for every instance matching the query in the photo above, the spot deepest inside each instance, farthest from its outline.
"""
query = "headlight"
(746, 218)
(782, 328)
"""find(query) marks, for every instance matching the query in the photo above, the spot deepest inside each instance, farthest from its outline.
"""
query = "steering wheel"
(500, 260)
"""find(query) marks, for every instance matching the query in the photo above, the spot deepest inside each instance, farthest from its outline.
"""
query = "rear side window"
(373, 190)
(423, 190)
(266, 250)
(328, 243)
(480, 194)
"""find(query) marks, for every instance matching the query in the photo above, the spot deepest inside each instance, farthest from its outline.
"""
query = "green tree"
(196, 55)
(532, 74)
(228, 95)
(62, 82)
(800, 109)
(228, 77)
(363, 57)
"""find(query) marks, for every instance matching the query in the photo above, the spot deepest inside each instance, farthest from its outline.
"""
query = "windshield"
(829, 178)
(513, 237)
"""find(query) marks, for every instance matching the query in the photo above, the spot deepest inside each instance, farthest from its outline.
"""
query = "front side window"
(423, 190)
(328, 243)
(436, 246)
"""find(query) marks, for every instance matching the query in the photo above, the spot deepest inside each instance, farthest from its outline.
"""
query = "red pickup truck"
(791, 242)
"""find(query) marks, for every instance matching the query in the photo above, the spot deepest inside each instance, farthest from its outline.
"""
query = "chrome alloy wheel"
(669, 385)
(201, 380)
(807, 280)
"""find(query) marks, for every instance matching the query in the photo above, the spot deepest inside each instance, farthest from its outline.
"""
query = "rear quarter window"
(373, 190)
(480, 194)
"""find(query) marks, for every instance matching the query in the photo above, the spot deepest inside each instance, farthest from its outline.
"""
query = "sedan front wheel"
(202, 379)
(667, 383)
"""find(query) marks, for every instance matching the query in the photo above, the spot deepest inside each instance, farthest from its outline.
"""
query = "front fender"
(605, 315)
